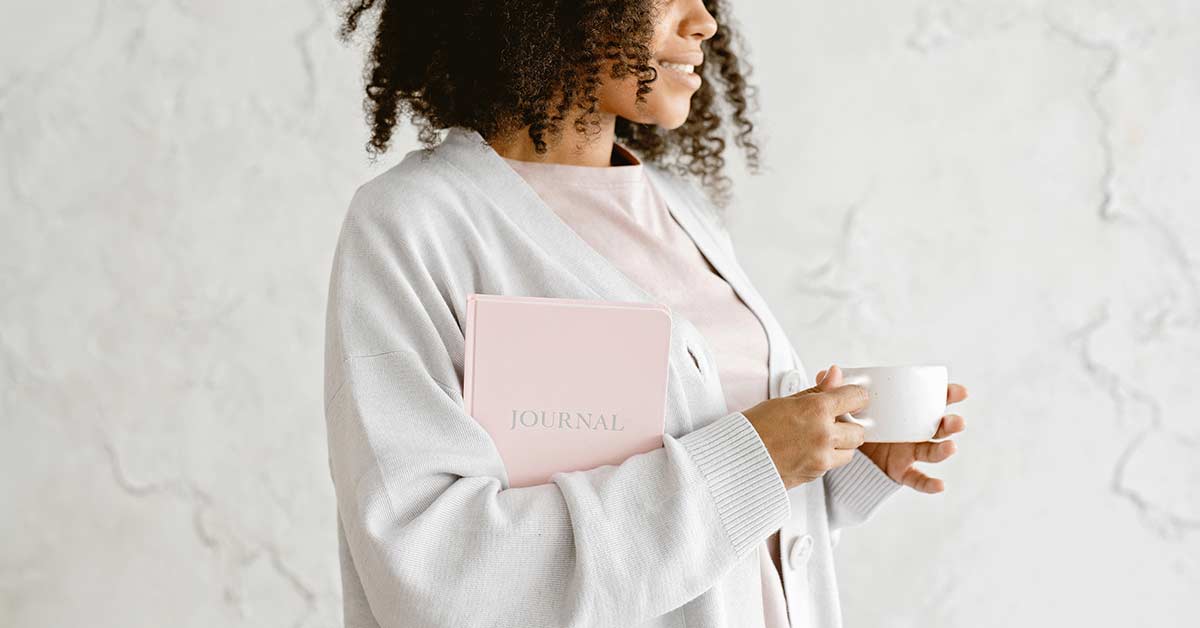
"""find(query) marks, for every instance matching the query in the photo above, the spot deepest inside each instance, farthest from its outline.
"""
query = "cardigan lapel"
(466, 150)
(708, 242)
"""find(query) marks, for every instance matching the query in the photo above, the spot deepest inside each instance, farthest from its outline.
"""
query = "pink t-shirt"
(617, 210)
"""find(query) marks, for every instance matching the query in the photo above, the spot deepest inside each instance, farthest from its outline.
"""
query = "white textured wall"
(1008, 187)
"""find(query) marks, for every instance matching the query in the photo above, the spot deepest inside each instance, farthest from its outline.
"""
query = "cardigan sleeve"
(435, 537)
(855, 490)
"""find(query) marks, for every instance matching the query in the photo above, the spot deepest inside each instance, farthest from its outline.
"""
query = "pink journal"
(565, 384)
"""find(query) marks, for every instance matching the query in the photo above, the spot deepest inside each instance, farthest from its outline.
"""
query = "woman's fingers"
(848, 435)
(921, 482)
(848, 398)
(951, 424)
(930, 451)
(955, 393)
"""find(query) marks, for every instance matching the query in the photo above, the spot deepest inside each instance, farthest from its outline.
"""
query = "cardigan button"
(799, 551)
(791, 383)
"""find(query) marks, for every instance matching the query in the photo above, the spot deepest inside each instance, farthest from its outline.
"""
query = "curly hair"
(496, 66)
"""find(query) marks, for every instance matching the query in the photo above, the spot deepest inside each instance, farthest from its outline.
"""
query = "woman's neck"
(572, 149)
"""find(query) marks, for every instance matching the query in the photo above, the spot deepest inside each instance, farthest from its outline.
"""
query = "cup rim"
(894, 367)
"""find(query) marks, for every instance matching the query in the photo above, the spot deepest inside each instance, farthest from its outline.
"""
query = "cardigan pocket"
(695, 360)
(693, 342)
(706, 396)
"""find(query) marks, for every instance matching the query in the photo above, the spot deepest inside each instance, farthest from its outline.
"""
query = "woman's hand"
(802, 434)
(896, 459)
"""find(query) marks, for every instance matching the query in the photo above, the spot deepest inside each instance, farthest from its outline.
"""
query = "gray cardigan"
(429, 533)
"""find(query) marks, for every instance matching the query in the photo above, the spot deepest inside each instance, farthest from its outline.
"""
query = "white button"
(791, 383)
(799, 551)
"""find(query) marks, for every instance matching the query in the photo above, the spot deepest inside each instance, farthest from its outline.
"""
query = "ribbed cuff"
(859, 486)
(751, 498)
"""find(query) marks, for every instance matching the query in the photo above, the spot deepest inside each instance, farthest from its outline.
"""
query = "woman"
(733, 521)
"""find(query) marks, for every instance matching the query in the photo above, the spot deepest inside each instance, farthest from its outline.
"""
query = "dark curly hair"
(496, 66)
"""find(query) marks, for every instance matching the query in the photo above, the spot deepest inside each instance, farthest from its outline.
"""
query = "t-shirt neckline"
(632, 171)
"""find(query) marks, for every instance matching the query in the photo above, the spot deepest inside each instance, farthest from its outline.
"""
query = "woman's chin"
(675, 120)
(672, 117)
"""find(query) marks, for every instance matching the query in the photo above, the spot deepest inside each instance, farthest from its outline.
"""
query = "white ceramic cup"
(907, 402)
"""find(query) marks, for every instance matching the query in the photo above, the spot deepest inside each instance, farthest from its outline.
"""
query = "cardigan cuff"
(750, 496)
(859, 486)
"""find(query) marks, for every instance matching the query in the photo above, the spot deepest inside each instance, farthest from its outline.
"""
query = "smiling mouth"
(678, 67)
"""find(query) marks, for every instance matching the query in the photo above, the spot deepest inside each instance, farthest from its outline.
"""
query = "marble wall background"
(1008, 187)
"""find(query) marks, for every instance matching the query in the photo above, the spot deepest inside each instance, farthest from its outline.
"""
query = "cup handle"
(859, 380)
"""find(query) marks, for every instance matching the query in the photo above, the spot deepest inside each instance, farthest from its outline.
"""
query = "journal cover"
(565, 384)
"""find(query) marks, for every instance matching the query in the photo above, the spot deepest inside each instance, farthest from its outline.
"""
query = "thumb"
(827, 379)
